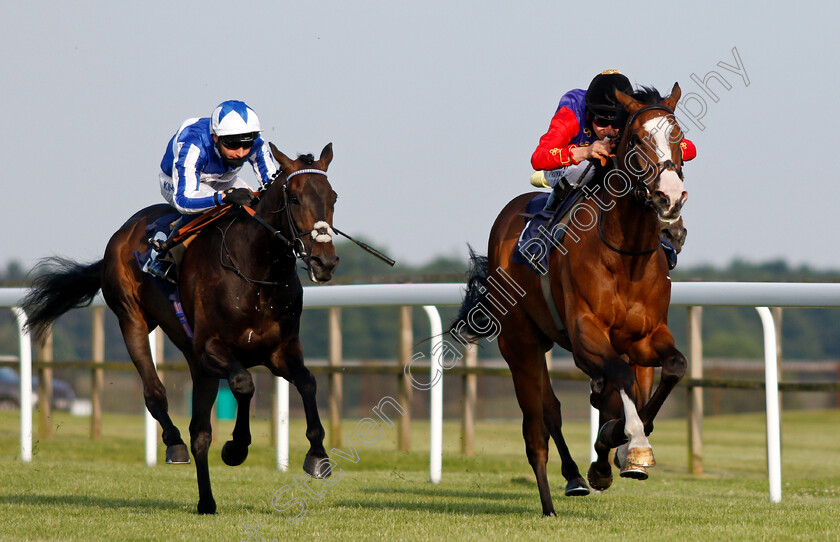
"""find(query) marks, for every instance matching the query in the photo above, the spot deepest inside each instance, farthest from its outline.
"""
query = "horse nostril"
(316, 261)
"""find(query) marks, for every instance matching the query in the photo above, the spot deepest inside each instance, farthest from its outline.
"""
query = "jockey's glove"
(239, 196)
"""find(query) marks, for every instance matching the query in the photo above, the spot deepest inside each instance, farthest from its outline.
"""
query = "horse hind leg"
(575, 484)
(525, 362)
(137, 343)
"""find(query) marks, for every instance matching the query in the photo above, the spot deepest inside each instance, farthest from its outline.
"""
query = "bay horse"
(604, 297)
(242, 299)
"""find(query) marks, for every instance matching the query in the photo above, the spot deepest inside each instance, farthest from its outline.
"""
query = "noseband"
(297, 244)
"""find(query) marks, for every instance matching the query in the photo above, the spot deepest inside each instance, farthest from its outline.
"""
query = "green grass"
(76, 489)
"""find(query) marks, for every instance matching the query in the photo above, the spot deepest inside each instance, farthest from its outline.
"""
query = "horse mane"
(307, 159)
(645, 95)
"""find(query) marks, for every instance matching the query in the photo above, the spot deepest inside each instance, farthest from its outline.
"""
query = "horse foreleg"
(600, 472)
(315, 464)
(659, 350)
(552, 415)
(205, 389)
(613, 387)
(220, 360)
(288, 364)
(136, 336)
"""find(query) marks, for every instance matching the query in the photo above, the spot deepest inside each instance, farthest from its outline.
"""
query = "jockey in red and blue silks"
(584, 127)
(578, 131)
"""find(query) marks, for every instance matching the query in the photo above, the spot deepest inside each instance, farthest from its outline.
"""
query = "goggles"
(603, 123)
(234, 144)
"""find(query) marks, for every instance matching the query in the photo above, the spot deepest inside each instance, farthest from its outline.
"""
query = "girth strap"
(545, 284)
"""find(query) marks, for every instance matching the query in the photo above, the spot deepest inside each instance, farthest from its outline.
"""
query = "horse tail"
(471, 323)
(70, 285)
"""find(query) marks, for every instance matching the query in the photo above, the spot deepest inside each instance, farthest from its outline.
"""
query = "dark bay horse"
(241, 296)
(605, 298)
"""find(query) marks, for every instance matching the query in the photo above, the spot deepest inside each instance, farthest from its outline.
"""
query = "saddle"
(173, 250)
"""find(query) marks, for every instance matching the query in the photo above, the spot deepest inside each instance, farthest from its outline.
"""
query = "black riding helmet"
(600, 96)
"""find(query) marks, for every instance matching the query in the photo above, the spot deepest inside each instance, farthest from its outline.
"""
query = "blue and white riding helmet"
(233, 121)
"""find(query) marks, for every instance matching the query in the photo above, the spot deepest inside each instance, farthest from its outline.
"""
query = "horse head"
(308, 201)
(650, 150)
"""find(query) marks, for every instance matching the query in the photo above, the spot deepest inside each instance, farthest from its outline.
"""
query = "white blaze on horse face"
(633, 426)
(659, 138)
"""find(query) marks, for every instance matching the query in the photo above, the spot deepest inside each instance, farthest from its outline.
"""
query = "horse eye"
(294, 200)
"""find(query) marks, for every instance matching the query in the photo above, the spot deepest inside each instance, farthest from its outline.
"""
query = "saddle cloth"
(170, 290)
(534, 246)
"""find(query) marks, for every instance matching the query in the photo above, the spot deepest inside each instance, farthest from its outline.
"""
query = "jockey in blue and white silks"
(195, 174)
(200, 167)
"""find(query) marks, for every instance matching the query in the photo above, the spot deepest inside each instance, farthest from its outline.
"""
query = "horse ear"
(671, 101)
(284, 161)
(326, 155)
(630, 104)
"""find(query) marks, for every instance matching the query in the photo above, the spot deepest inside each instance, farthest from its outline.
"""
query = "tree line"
(372, 333)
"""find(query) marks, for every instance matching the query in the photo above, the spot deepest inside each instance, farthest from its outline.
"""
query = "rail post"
(25, 386)
(336, 390)
(151, 423)
(771, 390)
(470, 387)
(695, 394)
(777, 320)
(97, 375)
(435, 395)
(45, 387)
(405, 389)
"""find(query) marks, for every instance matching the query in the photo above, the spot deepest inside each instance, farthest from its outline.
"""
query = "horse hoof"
(317, 467)
(577, 488)
(634, 473)
(633, 462)
(640, 457)
(207, 507)
(234, 455)
(599, 481)
(177, 454)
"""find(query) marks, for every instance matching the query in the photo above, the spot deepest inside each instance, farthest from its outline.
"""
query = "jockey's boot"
(558, 195)
(156, 265)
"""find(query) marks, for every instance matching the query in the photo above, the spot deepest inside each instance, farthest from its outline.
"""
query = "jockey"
(200, 167)
(585, 127)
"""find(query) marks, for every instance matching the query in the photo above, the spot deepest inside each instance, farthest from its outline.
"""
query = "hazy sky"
(434, 109)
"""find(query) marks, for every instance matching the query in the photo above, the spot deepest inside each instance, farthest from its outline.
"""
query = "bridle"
(295, 245)
(640, 189)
